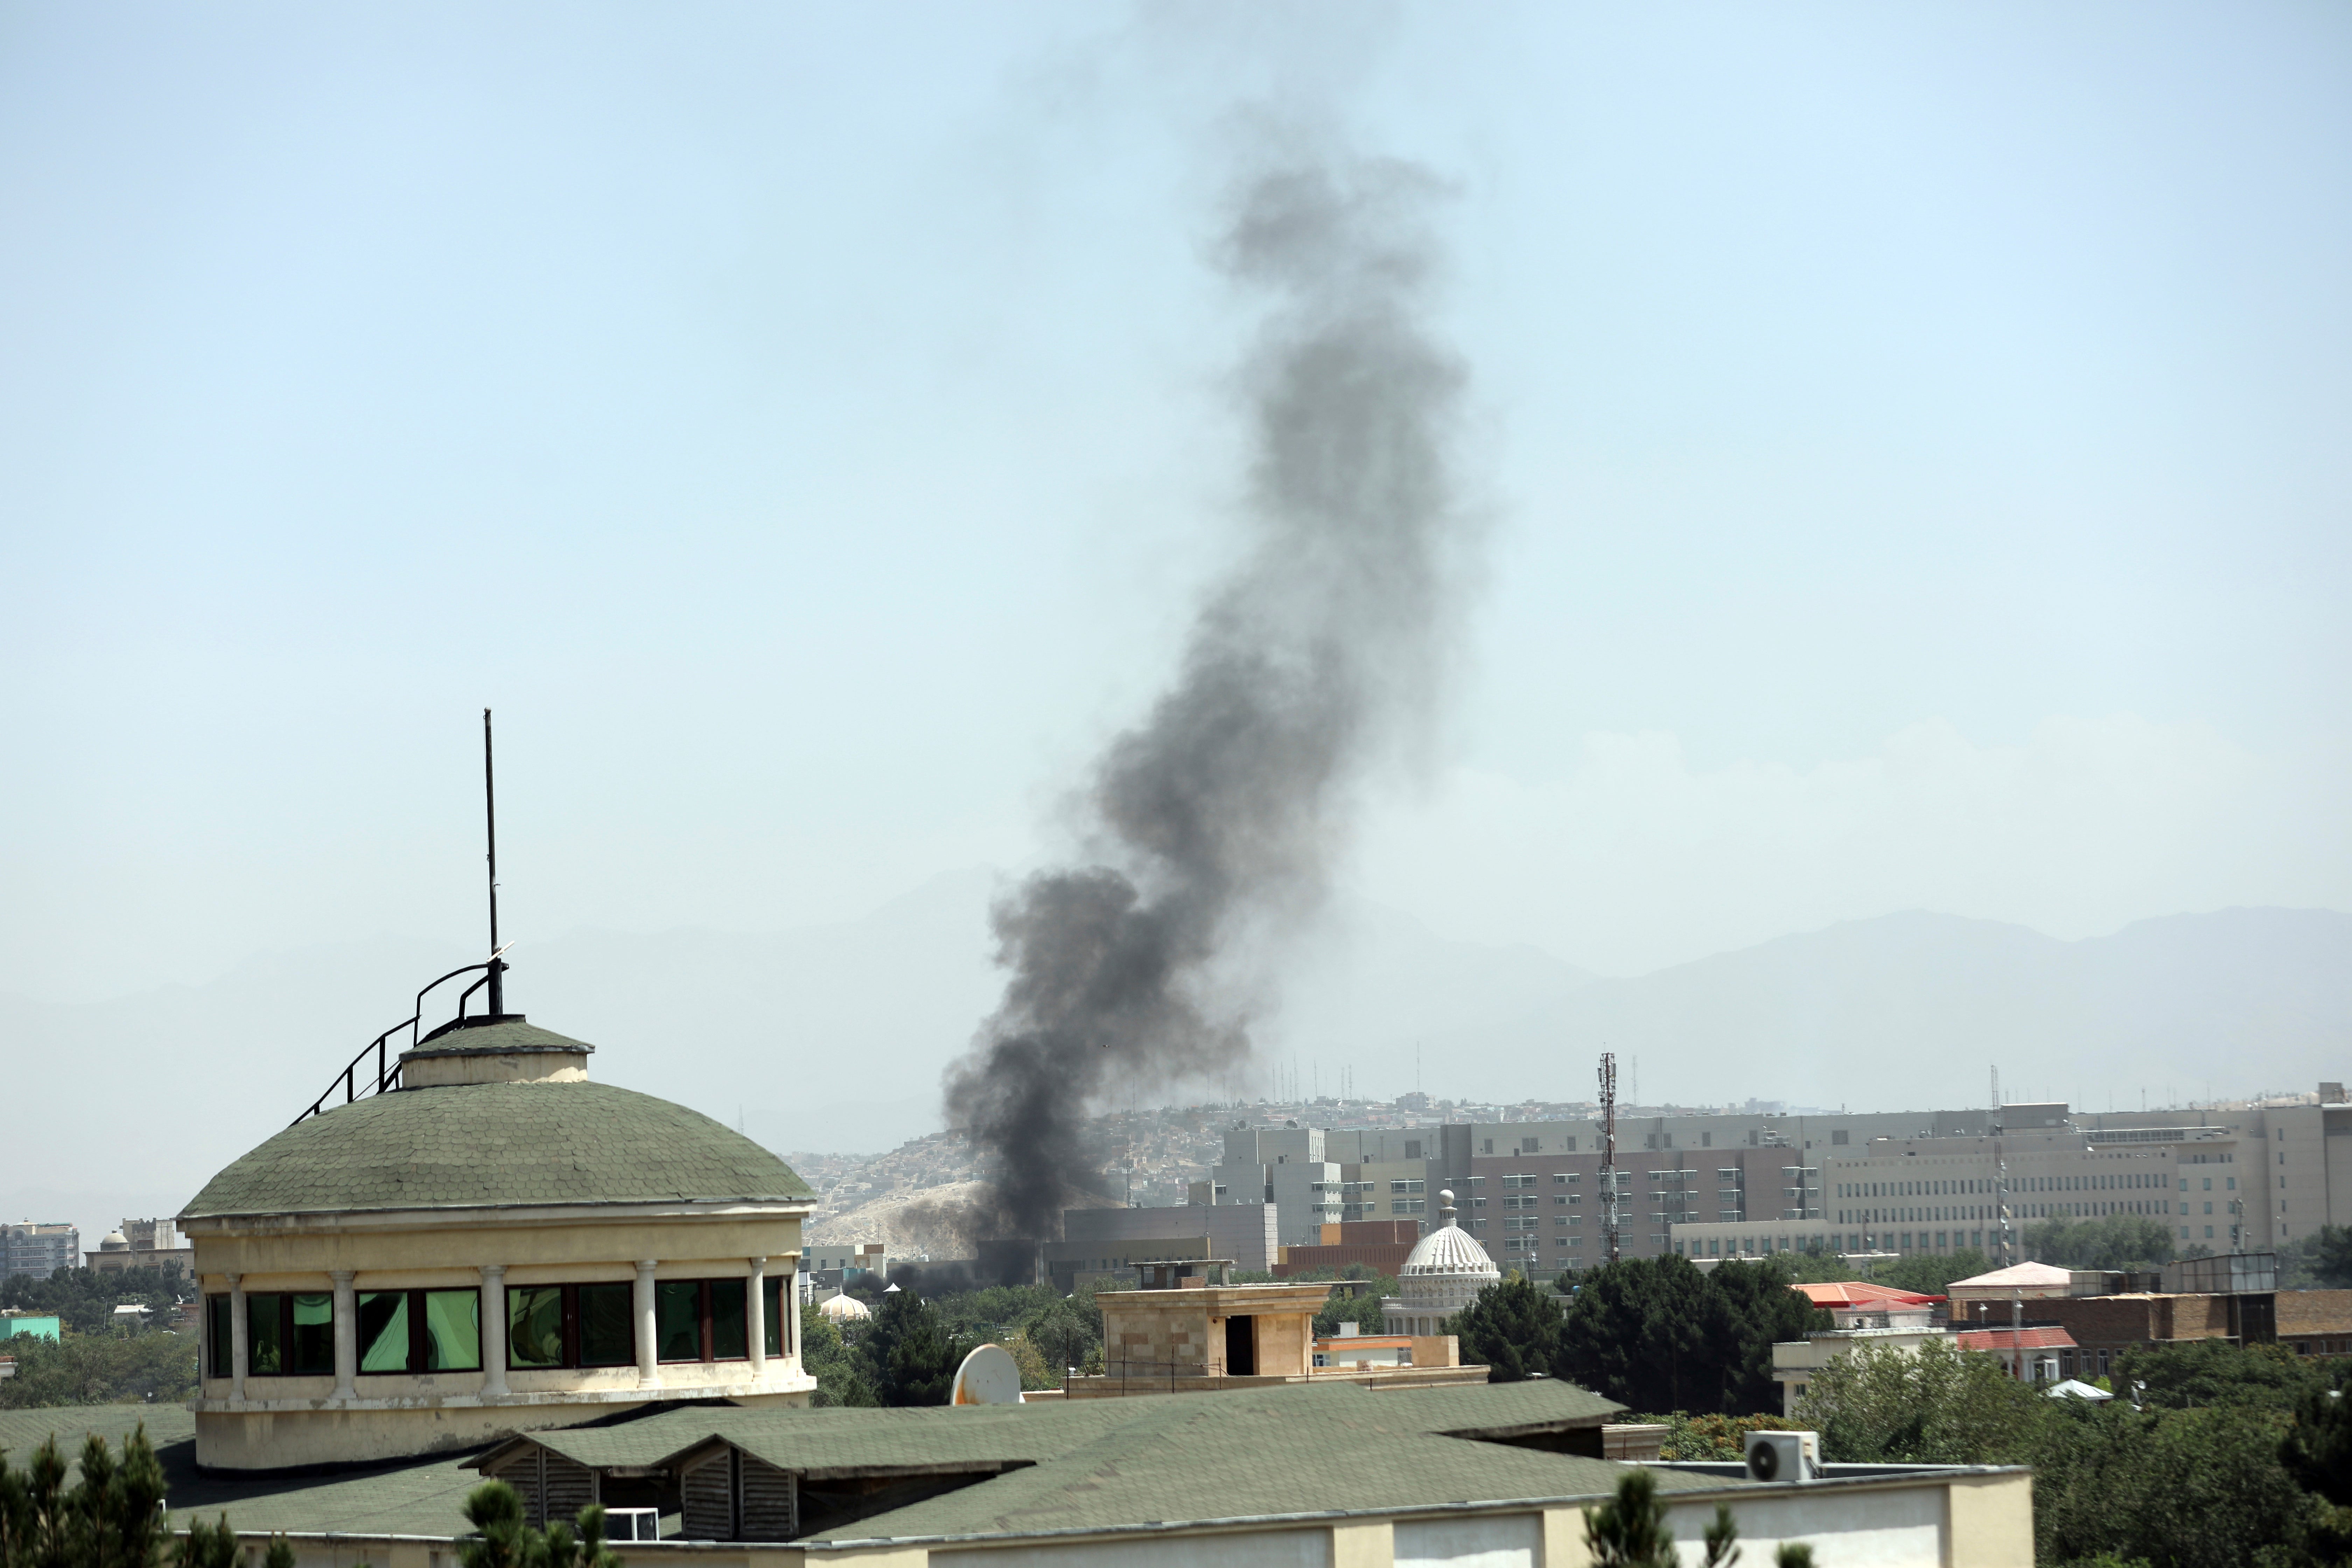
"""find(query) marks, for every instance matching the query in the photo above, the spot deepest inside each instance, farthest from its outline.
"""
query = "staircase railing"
(388, 1079)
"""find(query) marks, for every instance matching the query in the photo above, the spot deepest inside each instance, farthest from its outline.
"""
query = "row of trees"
(908, 1353)
(104, 1368)
(1655, 1334)
(2233, 1456)
(85, 1299)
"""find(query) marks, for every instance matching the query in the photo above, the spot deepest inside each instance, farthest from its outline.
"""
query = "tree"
(2214, 1372)
(2320, 1261)
(1630, 1530)
(110, 1518)
(503, 1540)
(839, 1371)
(2317, 1455)
(1657, 1334)
(1934, 1405)
(2110, 1241)
(1362, 1310)
(1931, 1274)
(1649, 1333)
(910, 1353)
(1513, 1329)
(2177, 1489)
(1764, 1311)
(105, 1368)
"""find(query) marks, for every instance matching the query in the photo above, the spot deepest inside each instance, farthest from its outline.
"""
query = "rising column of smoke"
(1218, 816)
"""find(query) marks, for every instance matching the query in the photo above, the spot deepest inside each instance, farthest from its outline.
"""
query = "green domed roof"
(498, 1145)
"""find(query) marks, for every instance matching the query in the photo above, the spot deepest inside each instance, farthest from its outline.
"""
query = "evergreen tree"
(1650, 1332)
(911, 1354)
(1764, 1311)
(110, 1518)
(1513, 1329)
(1630, 1530)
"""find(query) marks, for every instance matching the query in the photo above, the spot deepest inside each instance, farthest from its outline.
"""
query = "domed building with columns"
(490, 1242)
(1443, 1273)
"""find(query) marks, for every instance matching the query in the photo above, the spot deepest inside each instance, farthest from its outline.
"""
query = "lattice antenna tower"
(1609, 1154)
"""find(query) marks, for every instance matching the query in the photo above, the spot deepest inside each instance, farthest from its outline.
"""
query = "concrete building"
(828, 1267)
(1107, 1243)
(495, 1243)
(1286, 1168)
(1860, 1314)
(1529, 1190)
(1380, 1244)
(144, 1244)
(38, 1249)
(1187, 1331)
(1497, 1476)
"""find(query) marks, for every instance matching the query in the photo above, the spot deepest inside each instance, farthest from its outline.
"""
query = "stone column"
(494, 1331)
(347, 1333)
(789, 1298)
(755, 1315)
(236, 1339)
(648, 1368)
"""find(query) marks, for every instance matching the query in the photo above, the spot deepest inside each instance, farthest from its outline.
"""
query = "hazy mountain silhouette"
(835, 1038)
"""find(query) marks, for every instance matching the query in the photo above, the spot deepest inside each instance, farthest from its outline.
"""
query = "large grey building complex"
(40, 1250)
(1530, 1192)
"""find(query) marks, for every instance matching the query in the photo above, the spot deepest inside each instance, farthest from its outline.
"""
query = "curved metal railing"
(354, 1086)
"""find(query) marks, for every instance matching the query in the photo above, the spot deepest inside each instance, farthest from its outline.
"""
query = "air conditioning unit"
(1784, 1455)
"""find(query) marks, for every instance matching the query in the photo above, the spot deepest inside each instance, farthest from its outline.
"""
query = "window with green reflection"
(289, 1335)
(383, 1330)
(452, 1331)
(772, 1313)
(534, 1325)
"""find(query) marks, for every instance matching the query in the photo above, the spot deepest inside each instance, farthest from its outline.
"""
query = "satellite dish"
(989, 1376)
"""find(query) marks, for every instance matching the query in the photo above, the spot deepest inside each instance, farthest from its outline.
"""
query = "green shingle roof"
(499, 1144)
(1084, 1465)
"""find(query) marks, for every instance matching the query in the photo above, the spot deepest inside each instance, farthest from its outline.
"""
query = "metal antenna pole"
(490, 808)
(1608, 1153)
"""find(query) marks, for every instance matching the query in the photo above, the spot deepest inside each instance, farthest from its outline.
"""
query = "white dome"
(115, 1242)
(1443, 1274)
(844, 1309)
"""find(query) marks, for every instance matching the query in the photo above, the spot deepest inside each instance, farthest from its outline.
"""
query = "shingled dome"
(525, 1137)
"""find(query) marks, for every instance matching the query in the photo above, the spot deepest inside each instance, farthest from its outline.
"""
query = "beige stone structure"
(1194, 1337)
(495, 1243)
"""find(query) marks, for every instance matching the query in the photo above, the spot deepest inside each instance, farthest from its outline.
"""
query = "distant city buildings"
(1717, 1184)
(144, 1244)
(38, 1249)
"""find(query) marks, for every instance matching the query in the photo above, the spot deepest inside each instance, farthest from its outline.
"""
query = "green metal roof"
(1084, 1465)
(497, 1145)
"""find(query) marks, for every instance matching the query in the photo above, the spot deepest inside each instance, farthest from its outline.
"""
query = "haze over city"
(1904, 458)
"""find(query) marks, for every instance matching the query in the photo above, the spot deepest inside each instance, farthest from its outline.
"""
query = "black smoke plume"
(1216, 821)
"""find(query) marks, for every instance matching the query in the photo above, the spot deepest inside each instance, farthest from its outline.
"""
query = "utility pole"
(1608, 1153)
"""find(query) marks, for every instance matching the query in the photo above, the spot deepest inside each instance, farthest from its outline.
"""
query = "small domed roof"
(844, 1309)
(489, 1145)
(1448, 1253)
(115, 1241)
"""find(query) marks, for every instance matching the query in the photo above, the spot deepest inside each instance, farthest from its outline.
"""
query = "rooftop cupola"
(500, 1049)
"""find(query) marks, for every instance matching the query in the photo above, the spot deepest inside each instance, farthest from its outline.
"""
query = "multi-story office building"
(40, 1250)
(1289, 1168)
(1882, 1181)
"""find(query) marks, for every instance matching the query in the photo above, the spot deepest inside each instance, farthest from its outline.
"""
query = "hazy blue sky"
(1917, 442)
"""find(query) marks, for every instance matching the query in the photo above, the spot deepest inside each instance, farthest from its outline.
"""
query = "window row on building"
(406, 1332)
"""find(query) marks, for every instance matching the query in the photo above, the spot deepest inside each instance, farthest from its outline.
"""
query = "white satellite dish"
(989, 1376)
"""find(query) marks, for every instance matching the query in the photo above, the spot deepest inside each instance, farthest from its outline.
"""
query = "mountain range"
(834, 1038)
